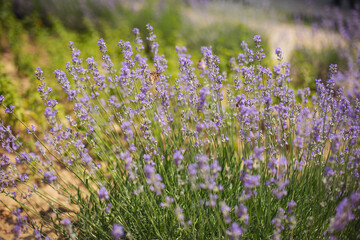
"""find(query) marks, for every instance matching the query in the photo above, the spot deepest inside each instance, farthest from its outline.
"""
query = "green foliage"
(9, 91)
(225, 41)
(309, 64)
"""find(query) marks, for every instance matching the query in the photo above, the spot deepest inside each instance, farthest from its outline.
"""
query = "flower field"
(145, 141)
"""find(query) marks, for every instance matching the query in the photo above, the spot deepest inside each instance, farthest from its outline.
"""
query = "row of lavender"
(200, 155)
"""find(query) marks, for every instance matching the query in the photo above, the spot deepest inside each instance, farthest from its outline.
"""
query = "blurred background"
(312, 34)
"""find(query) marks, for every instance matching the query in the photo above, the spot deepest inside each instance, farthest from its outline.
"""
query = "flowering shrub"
(200, 155)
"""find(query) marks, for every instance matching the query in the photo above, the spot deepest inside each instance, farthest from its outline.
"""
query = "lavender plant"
(200, 155)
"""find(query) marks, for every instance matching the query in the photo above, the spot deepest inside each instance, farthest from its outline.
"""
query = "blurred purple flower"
(103, 193)
(117, 231)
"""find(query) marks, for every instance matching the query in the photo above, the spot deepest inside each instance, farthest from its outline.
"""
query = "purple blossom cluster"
(345, 213)
(153, 179)
(117, 231)
(20, 225)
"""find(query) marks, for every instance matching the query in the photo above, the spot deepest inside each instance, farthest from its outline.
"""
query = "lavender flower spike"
(103, 193)
(117, 232)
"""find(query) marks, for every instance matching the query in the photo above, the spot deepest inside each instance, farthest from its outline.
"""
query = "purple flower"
(329, 171)
(4, 160)
(102, 45)
(126, 126)
(278, 223)
(280, 190)
(179, 214)
(242, 213)
(10, 109)
(68, 228)
(178, 157)
(258, 153)
(20, 223)
(203, 93)
(344, 213)
(225, 210)
(86, 158)
(149, 27)
(136, 31)
(167, 203)
(192, 169)
(251, 181)
(103, 193)
(66, 222)
(235, 231)
(259, 55)
(117, 231)
(291, 204)
(153, 179)
(212, 201)
(279, 53)
(39, 74)
(132, 147)
(107, 210)
(333, 68)
(50, 115)
(37, 234)
(257, 39)
(50, 176)
(1, 99)
(147, 157)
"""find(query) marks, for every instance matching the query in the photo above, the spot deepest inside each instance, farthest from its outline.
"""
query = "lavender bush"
(200, 155)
